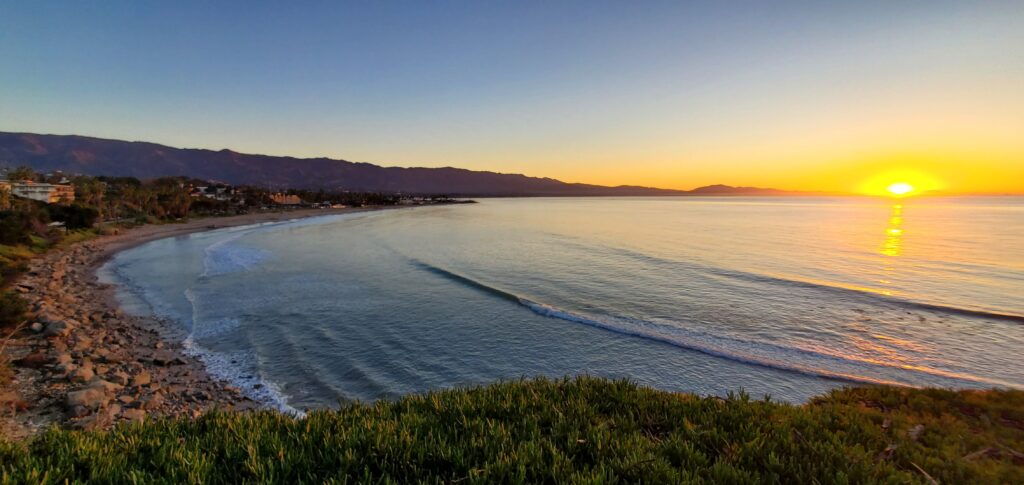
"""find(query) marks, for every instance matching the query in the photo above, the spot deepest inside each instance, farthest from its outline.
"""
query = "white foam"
(224, 258)
(241, 370)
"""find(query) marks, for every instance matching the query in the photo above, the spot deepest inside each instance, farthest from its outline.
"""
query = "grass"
(584, 430)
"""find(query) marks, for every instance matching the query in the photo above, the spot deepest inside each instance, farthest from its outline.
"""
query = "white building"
(49, 193)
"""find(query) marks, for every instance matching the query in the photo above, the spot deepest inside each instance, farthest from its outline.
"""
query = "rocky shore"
(83, 363)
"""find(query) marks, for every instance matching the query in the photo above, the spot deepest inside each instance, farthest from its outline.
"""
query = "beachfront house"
(49, 193)
(283, 199)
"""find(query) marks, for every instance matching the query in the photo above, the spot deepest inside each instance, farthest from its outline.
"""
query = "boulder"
(133, 414)
(118, 377)
(9, 400)
(106, 386)
(57, 329)
(141, 379)
(34, 360)
(109, 357)
(83, 373)
(89, 398)
(165, 358)
(152, 402)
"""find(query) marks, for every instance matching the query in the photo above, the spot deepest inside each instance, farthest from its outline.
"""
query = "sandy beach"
(84, 363)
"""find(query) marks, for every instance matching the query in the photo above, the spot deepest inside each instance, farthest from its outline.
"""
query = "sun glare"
(900, 183)
(900, 189)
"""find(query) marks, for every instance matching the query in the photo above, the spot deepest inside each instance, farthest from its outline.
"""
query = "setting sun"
(900, 188)
(900, 182)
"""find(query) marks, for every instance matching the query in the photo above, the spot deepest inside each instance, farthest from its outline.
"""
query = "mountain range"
(143, 160)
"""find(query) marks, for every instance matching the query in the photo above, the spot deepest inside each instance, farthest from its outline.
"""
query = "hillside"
(143, 160)
(97, 156)
(585, 430)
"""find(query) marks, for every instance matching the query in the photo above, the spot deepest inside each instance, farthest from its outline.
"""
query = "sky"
(836, 96)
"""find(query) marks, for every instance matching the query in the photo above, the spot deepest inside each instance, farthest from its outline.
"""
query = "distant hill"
(719, 189)
(97, 156)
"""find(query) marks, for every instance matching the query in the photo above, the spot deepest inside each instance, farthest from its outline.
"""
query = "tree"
(75, 216)
(90, 191)
(5, 198)
(21, 173)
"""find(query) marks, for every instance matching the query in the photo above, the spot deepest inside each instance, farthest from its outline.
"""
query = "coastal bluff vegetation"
(581, 430)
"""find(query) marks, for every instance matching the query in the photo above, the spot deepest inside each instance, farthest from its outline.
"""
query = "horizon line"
(789, 192)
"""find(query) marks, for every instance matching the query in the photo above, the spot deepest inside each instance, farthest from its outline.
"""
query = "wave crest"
(744, 351)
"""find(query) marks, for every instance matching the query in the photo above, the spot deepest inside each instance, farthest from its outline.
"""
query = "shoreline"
(84, 363)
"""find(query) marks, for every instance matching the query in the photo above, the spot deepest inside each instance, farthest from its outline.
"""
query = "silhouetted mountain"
(719, 189)
(97, 156)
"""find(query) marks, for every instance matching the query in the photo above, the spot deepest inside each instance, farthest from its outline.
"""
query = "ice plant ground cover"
(560, 431)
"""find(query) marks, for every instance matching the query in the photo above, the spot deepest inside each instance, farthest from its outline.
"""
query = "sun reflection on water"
(893, 246)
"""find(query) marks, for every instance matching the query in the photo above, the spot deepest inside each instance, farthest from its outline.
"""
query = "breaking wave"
(738, 350)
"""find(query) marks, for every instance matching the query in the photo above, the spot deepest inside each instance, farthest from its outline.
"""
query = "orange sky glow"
(827, 96)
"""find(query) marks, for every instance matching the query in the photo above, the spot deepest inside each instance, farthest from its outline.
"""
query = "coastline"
(86, 364)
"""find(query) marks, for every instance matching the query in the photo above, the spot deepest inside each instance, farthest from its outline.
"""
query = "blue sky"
(660, 93)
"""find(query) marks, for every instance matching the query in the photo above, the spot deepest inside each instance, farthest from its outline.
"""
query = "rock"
(107, 356)
(152, 402)
(125, 399)
(83, 373)
(36, 327)
(83, 343)
(62, 358)
(47, 318)
(106, 386)
(34, 360)
(118, 377)
(57, 329)
(165, 358)
(133, 414)
(77, 411)
(10, 399)
(89, 398)
(141, 379)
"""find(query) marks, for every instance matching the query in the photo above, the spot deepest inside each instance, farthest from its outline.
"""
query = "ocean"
(786, 297)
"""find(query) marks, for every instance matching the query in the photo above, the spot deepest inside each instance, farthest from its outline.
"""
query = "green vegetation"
(562, 431)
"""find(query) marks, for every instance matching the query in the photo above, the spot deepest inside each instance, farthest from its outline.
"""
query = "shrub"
(15, 228)
(13, 309)
(583, 430)
(74, 216)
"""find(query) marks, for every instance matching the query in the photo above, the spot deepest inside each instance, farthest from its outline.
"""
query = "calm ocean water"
(782, 296)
